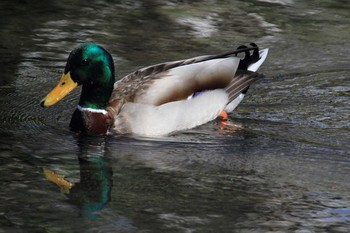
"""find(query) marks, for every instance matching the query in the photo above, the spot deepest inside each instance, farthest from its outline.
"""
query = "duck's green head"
(91, 66)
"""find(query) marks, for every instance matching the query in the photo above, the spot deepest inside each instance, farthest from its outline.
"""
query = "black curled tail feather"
(251, 55)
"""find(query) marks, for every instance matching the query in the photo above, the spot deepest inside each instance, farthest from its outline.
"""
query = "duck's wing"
(182, 81)
(176, 80)
(172, 81)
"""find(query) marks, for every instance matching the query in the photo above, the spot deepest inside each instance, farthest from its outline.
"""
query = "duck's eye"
(84, 62)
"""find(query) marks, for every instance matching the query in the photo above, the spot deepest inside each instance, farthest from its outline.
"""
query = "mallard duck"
(158, 99)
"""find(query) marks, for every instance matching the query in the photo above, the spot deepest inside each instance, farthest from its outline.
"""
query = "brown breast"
(92, 123)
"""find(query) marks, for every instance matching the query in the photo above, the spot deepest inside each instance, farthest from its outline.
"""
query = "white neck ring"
(92, 110)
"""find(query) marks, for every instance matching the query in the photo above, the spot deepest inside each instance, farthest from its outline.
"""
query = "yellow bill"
(65, 86)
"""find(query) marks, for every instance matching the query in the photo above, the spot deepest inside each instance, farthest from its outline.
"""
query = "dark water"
(287, 170)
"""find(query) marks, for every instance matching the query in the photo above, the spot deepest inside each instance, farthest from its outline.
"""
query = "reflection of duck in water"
(156, 100)
(93, 191)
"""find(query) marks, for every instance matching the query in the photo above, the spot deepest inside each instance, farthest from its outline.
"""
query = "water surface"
(286, 170)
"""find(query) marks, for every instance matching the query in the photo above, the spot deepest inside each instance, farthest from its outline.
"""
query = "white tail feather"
(262, 54)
